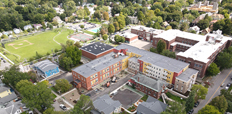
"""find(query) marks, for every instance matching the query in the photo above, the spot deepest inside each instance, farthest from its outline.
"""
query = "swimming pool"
(95, 30)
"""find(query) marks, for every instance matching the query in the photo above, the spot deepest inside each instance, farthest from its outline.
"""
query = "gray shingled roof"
(7, 98)
(151, 106)
(97, 48)
(45, 65)
(153, 84)
(105, 104)
(3, 88)
(170, 64)
(185, 76)
(98, 64)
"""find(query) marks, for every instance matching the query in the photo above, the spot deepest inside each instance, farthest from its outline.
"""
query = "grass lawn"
(54, 95)
(54, 89)
(175, 98)
(41, 43)
(144, 98)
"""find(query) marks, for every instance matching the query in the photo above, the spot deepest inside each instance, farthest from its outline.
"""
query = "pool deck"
(97, 28)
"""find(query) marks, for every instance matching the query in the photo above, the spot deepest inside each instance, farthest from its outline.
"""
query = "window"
(159, 69)
(79, 76)
(101, 73)
(95, 75)
(117, 64)
(107, 69)
(101, 77)
(96, 80)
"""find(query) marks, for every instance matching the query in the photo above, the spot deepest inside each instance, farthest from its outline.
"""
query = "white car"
(63, 107)
(30, 112)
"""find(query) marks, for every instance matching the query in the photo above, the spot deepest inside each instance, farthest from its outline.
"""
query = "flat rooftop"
(46, 65)
(204, 49)
(173, 33)
(148, 29)
(170, 64)
(128, 35)
(186, 75)
(98, 64)
(97, 48)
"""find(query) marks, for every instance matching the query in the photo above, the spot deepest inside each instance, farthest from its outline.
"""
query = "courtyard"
(126, 97)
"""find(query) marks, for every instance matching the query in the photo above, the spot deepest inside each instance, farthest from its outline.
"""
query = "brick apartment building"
(96, 50)
(149, 86)
(145, 33)
(197, 50)
(136, 60)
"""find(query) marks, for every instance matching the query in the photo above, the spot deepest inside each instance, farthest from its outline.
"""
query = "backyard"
(41, 43)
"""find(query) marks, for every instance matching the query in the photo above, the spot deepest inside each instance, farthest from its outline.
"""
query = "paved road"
(110, 89)
(67, 76)
(214, 91)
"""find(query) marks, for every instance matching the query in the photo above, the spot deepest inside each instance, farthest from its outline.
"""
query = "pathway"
(55, 37)
(58, 97)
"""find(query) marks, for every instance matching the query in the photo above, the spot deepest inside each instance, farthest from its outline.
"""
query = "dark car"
(44, 107)
(191, 111)
(88, 94)
(227, 86)
(196, 104)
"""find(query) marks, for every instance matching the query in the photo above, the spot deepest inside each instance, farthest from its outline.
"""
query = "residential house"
(14, 108)
(6, 94)
(217, 16)
(194, 28)
(202, 16)
(105, 105)
(151, 106)
(149, 86)
(46, 68)
(134, 20)
(205, 7)
(27, 27)
(37, 26)
(0, 34)
(58, 10)
(57, 19)
(206, 31)
(17, 31)
(7, 33)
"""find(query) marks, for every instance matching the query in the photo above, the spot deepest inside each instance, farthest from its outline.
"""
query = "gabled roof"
(45, 65)
(8, 98)
(105, 104)
(151, 106)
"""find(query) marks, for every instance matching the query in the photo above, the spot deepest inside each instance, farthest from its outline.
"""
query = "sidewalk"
(58, 97)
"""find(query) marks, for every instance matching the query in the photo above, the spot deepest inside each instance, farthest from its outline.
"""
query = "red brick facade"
(131, 39)
(92, 56)
(86, 82)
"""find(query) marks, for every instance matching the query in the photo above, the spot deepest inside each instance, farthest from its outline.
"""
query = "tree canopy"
(219, 103)
(161, 45)
(212, 70)
(209, 109)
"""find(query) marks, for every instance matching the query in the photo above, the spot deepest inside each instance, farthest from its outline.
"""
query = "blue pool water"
(94, 30)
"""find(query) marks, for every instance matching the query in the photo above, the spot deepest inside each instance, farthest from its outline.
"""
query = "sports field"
(42, 43)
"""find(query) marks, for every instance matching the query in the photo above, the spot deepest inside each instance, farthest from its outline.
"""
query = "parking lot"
(4, 64)
(126, 97)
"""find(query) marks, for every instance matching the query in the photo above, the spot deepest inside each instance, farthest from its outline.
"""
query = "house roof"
(8, 98)
(3, 88)
(170, 64)
(151, 106)
(12, 108)
(97, 48)
(105, 104)
(153, 84)
(98, 64)
(186, 75)
(45, 65)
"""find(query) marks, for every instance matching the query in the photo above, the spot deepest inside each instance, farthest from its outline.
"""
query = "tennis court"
(81, 37)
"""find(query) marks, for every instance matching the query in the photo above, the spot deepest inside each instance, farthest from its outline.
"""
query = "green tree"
(161, 45)
(51, 111)
(77, 44)
(35, 96)
(74, 53)
(22, 84)
(111, 28)
(123, 39)
(140, 16)
(116, 26)
(82, 26)
(39, 18)
(226, 94)
(156, 25)
(174, 25)
(219, 103)
(121, 23)
(209, 109)
(168, 27)
(106, 16)
(144, 3)
(127, 20)
(104, 37)
(13, 76)
(117, 38)
(224, 60)
(168, 53)
(184, 26)
(63, 85)
(203, 24)
(201, 91)
(190, 101)
(212, 70)
(83, 105)
(175, 108)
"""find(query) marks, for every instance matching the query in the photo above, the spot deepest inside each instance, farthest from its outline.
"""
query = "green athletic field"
(42, 43)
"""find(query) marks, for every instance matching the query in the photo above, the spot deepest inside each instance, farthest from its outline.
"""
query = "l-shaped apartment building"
(197, 50)
(123, 57)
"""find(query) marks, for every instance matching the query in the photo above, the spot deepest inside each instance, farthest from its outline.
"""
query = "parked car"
(88, 94)
(63, 107)
(191, 111)
(196, 104)
(30, 112)
(227, 86)
(222, 84)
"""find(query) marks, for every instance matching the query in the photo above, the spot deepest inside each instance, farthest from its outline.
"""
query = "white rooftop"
(173, 33)
(128, 35)
(204, 49)
(148, 29)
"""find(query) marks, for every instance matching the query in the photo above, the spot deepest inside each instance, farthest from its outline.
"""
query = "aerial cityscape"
(116, 57)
